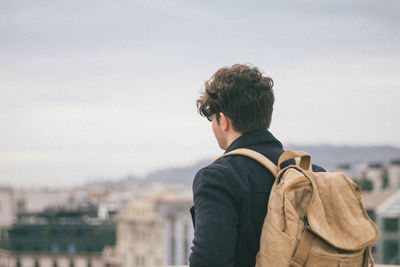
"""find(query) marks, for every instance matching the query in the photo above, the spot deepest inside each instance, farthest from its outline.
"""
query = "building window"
(54, 248)
(391, 224)
(21, 205)
(391, 249)
(71, 249)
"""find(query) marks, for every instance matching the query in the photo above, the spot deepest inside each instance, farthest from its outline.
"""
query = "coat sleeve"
(216, 220)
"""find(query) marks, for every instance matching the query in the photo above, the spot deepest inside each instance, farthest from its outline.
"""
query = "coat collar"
(252, 138)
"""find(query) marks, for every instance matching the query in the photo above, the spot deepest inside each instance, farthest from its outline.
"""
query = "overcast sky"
(102, 89)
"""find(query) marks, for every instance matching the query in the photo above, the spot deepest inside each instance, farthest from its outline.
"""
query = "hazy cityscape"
(138, 222)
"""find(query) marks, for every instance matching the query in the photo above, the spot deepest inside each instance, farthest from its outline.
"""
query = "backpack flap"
(336, 213)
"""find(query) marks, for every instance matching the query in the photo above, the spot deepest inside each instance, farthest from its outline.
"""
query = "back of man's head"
(243, 94)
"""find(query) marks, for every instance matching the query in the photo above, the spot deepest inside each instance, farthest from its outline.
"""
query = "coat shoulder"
(213, 173)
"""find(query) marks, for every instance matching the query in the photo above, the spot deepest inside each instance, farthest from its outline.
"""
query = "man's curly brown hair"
(243, 94)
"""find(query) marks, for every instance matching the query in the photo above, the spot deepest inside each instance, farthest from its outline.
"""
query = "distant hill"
(176, 175)
(326, 156)
(330, 157)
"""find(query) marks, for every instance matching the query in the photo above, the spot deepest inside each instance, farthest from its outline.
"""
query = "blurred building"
(378, 176)
(384, 208)
(7, 207)
(153, 231)
(394, 174)
(382, 204)
(37, 200)
(375, 173)
(56, 238)
(178, 229)
(388, 221)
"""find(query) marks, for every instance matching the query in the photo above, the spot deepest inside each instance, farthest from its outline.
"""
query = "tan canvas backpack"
(313, 218)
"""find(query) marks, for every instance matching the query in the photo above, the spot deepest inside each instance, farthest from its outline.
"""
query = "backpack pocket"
(276, 247)
(319, 257)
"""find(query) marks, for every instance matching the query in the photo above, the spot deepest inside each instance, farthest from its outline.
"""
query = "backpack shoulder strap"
(260, 158)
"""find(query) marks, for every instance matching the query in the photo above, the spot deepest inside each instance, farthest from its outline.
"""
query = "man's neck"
(232, 137)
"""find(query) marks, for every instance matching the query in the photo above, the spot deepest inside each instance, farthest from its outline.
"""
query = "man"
(231, 195)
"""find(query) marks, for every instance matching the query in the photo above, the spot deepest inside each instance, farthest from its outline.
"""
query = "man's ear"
(225, 122)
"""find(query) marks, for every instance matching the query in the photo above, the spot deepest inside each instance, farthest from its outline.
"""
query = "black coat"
(230, 204)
